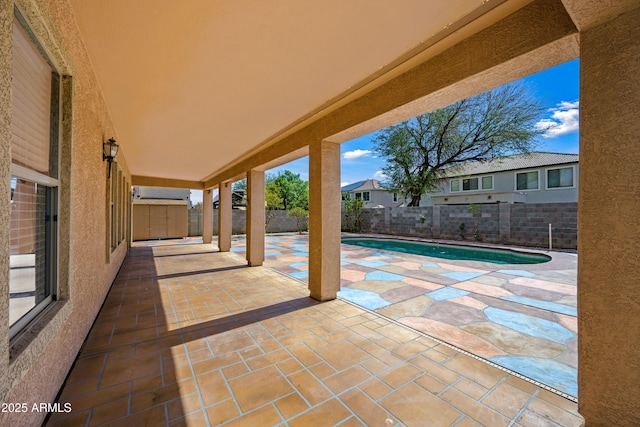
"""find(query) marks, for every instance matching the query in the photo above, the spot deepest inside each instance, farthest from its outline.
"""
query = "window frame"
(50, 181)
(515, 178)
(460, 182)
(573, 177)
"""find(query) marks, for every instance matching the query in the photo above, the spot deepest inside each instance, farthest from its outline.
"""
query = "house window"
(472, 184)
(527, 180)
(33, 226)
(117, 206)
(469, 184)
(366, 196)
(395, 197)
(358, 196)
(560, 178)
(487, 182)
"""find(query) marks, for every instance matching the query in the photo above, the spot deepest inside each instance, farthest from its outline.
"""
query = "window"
(527, 180)
(472, 184)
(560, 178)
(358, 196)
(117, 206)
(366, 196)
(395, 197)
(35, 125)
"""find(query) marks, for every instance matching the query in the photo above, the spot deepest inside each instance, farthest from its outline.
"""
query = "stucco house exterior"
(536, 177)
(373, 194)
(174, 83)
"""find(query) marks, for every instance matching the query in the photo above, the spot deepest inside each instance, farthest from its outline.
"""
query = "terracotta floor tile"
(309, 387)
(109, 412)
(76, 419)
(185, 404)
(212, 387)
(552, 412)
(506, 399)
(161, 395)
(431, 383)
(477, 411)
(475, 370)
(375, 388)
(222, 412)
(365, 408)
(474, 390)
(322, 370)
(291, 405)
(400, 375)
(346, 379)
(195, 419)
(272, 385)
(151, 417)
(329, 413)
(290, 366)
(128, 369)
(266, 416)
(414, 406)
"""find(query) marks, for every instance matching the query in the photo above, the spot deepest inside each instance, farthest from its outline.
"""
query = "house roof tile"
(519, 161)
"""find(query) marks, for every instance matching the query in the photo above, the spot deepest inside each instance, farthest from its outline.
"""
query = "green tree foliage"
(301, 216)
(290, 188)
(353, 214)
(273, 201)
(492, 124)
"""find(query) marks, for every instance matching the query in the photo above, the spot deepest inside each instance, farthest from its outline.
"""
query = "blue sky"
(557, 89)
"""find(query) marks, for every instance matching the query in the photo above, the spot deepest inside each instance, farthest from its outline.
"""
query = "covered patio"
(192, 336)
(200, 94)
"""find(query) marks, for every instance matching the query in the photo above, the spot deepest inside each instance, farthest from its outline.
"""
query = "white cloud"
(565, 118)
(342, 184)
(379, 175)
(356, 154)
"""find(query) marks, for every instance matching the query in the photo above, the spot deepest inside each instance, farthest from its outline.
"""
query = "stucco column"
(255, 218)
(324, 220)
(207, 215)
(224, 216)
(609, 223)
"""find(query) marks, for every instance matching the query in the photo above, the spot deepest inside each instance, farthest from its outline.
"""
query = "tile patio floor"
(191, 336)
(522, 317)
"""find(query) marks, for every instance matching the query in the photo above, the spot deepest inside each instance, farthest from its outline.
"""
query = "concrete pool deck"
(521, 317)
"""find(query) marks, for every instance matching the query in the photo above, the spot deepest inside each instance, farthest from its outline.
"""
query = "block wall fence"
(509, 224)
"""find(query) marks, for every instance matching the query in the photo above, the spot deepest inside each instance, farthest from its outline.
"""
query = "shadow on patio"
(188, 336)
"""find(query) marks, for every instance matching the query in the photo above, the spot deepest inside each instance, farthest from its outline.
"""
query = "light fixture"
(109, 152)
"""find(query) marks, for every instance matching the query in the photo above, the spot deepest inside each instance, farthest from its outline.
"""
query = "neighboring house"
(160, 213)
(373, 193)
(537, 177)
(238, 199)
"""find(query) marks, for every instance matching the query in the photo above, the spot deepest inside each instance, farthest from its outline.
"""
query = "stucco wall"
(33, 368)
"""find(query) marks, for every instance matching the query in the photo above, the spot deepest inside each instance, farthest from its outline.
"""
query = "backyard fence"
(515, 224)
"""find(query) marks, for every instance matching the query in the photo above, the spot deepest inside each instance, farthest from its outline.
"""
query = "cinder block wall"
(516, 224)
(280, 223)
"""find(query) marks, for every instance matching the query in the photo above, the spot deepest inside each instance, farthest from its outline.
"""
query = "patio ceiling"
(193, 87)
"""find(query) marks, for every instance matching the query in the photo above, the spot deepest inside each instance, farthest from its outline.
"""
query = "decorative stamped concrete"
(522, 317)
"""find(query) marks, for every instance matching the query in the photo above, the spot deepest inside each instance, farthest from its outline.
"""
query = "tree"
(273, 201)
(301, 216)
(483, 127)
(293, 191)
(353, 213)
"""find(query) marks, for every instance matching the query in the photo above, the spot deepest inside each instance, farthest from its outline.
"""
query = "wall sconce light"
(109, 152)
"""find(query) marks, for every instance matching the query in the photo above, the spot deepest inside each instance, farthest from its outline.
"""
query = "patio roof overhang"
(201, 94)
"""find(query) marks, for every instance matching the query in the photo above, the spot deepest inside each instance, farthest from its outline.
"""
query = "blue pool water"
(453, 252)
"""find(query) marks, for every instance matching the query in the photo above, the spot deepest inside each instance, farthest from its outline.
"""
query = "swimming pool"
(453, 252)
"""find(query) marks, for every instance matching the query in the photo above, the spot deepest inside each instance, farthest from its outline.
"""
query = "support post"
(255, 218)
(225, 213)
(207, 215)
(324, 220)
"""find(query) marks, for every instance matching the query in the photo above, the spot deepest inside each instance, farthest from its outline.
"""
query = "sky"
(557, 89)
